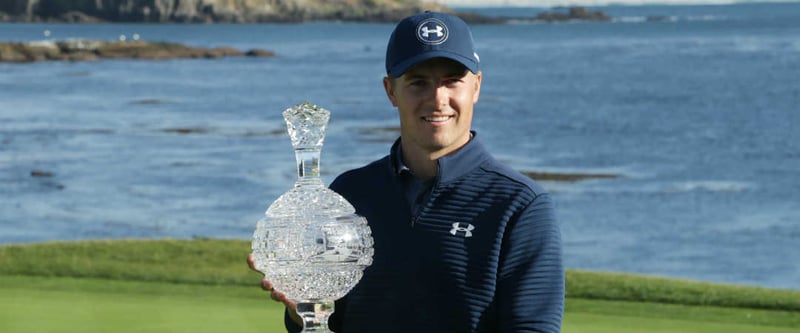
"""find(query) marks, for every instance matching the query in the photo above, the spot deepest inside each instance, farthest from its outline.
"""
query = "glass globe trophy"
(310, 244)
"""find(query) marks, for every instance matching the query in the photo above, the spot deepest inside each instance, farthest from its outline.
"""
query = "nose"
(441, 96)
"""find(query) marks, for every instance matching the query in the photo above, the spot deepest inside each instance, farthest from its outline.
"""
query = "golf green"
(49, 304)
(91, 305)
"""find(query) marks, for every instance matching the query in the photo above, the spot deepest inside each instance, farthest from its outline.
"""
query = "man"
(462, 242)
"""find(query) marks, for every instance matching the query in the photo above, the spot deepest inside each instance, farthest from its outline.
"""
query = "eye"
(418, 83)
(452, 81)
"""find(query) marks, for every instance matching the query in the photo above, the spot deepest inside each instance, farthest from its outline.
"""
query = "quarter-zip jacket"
(483, 253)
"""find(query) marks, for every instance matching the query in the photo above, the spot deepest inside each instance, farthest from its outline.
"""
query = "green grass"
(596, 323)
(182, 261)
(205, 286)
(43, 304)
(628, 287)
(687, 313)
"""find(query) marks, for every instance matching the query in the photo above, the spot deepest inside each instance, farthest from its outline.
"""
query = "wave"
(668, 18)
(642, 19)
(706, 186)
(636, 186)
(647, 19)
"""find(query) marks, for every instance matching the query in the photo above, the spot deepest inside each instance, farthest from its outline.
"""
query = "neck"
(423, 162)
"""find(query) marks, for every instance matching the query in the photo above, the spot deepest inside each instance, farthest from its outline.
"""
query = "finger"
(281, 297)
(266, 285)
(291, 305)
(251, 262)
(278, 296)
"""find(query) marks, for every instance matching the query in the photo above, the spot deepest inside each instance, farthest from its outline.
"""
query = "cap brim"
(401, 68)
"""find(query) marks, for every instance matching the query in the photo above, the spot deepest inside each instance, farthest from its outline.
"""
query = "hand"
(266, 285)
(276, 295)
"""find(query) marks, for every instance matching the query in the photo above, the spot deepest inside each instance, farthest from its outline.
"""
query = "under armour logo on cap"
(466, 228)
(432, 32)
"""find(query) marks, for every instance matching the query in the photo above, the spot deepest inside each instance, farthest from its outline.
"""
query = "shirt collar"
(400, 167)
(450, 167)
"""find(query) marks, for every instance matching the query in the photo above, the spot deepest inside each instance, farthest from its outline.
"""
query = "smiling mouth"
(436, 119)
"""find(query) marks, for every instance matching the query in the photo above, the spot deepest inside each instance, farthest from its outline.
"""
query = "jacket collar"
(450, 167)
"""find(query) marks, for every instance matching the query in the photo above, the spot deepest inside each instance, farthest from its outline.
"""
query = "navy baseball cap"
(430, 35)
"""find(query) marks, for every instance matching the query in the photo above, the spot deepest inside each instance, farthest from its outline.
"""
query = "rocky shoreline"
(210, 11)
(254, 11)
(84, 50)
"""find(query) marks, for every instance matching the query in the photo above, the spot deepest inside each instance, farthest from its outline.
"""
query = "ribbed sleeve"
(530, 288)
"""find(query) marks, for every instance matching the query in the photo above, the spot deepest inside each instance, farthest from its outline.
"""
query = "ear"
(388, 86)
(478, 79)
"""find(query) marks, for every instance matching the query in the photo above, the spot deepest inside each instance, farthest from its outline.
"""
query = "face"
(435, 100)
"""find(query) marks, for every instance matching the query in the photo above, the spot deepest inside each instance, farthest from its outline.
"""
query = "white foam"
(706, 186)
(631, 19)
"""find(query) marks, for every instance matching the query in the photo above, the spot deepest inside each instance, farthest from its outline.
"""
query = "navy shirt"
(481, 254)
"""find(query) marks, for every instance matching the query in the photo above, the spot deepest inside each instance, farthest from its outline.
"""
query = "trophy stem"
(315, 315)
(307, 162)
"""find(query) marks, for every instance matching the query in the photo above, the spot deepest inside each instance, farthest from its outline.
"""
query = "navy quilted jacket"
(483, 253)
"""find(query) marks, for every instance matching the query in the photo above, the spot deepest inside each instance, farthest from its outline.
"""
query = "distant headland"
(251, 11)
(82, 50)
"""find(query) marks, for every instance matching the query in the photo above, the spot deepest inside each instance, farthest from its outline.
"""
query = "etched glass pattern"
(306, 124)
(310, 244)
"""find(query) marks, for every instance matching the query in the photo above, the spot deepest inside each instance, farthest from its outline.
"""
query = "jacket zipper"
(430, 195)
(433, 188)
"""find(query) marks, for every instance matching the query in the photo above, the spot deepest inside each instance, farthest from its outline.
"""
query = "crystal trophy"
(311, 244)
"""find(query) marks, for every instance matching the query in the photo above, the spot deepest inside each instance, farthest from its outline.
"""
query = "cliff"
(210, 11)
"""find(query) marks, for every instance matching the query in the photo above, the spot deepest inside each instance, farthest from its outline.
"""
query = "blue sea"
(697, 108)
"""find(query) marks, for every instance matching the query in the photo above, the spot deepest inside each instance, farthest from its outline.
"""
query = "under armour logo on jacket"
(466, 228)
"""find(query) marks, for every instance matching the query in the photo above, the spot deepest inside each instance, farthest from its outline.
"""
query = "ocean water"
(695, 107)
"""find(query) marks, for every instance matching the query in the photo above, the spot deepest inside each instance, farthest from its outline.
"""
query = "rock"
(77, 17)
(41, 174)
(259, 53)
(573, 14)
(567, 177)
(83, 50)
(186, 130)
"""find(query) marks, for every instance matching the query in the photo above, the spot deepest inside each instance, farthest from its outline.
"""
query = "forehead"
(437, 66)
